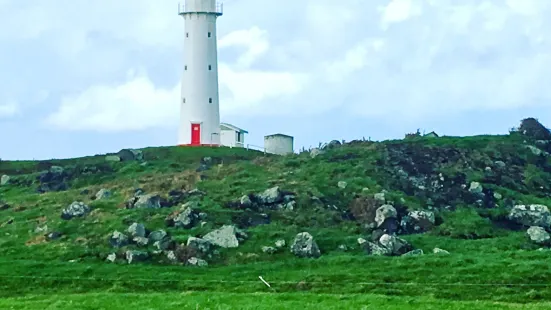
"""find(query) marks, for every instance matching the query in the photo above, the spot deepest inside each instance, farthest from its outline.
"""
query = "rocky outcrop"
(185, 218)
(53, 180)
(4, 179)
(144, 201)
(418, 221)
(304, 245)
(75, 209)
(531, 215)
(103, 194)
(136, 256)
(271, 199)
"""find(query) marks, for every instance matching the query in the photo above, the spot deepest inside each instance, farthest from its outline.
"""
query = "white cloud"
(9, 109)
(399, 59)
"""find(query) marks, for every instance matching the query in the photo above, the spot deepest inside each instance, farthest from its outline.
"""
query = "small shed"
(232, 136)
(279, 144)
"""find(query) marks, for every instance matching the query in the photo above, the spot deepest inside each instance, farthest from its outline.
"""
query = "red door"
(195, 134)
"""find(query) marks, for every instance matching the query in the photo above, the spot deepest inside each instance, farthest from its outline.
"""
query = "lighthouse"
(199, 100)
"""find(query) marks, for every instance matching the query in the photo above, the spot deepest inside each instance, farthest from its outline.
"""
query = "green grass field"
(491, 266)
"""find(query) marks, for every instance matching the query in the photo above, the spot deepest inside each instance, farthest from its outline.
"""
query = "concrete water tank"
(279, 144)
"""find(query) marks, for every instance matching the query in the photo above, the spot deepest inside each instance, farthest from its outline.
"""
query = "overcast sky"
(87, 77)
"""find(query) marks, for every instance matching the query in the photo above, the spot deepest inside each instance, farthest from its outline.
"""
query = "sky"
(83, 77)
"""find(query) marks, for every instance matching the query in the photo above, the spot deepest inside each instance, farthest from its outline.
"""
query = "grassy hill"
(451, 193)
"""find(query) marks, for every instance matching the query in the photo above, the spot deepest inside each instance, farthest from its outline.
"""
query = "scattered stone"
(315, 152)
(140, 241)
(158, 235)
(383, 213)
(497, 195)
(4, 206)
(416, 252)
(475, 188)
(130, 154)
(118, 239)
(53, 180)
(186, 218)
(342, 247)
(111, 257)
(418, 221)
(269, 196)
(194, 261)
(361, 241)
(280, 243)
(136, 256)
(103, 194)
(4, 180)
(499, 164)
(171, 256)
(136, 230)
(440, 251)
(269, 249)
(395, 245)
(53, 236)
(379, 197)
(342, 184)
(375, 249)
(200, 245)
(246, 201)
(538, 235)
(146, 201)
(305, 246)
(531, 215)
(225, 237)
(75, 209)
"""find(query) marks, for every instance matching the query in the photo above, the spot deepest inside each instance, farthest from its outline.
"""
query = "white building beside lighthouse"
(199, 100)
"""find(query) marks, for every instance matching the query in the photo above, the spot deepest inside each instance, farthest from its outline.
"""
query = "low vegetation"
(417, 223)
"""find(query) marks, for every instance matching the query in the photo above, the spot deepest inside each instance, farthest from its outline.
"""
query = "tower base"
(206, 145)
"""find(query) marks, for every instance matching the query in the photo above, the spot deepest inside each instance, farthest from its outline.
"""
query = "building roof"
(232, 127)
(278, 135)
(432, 133)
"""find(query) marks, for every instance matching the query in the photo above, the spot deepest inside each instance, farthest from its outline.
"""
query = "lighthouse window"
(187, 34)
(210, 67)
(209, 34)
(185, 67)
(183, 100)
(210, 100)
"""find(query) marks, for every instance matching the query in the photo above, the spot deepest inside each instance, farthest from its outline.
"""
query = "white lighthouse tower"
(199, 101)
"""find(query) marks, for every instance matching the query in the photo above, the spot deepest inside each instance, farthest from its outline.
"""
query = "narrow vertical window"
(210, 100)
(209, 34)
(185, 67)
(183, 100)
(210, 67)
(187, 34)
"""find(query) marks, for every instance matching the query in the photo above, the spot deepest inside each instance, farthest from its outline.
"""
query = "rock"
(395, 245)
(497, 196)
(418, 221)
(245, 201)
(75, 209)
(361, 241)
(200, 245)
(54, 179)
(383, 213)
(130, 154)
(136, 230)
(475, 188)
(41, 229)
(315, 152)
(186, 218)
(269, 249)
(171, 256)
(342, 184)
(136, 256)
(54, 235)
(270, 196)
(118, 239)
(342, 247)
(538, 235)
(141, 241)
(194, 261)
(111, 257)
(148, 201)
(4, 206)
(331, 145)
(225, 237)
(440, 251)
(536, 151)
(416, 252)
(531, 215)
(379, 197)
(112, 158)
(305, 246)
(4, 180)
(375, 249)
(280, 243)
(158, 235)
(103, 194)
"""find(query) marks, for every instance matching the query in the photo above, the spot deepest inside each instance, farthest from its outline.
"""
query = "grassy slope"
(503, 268)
